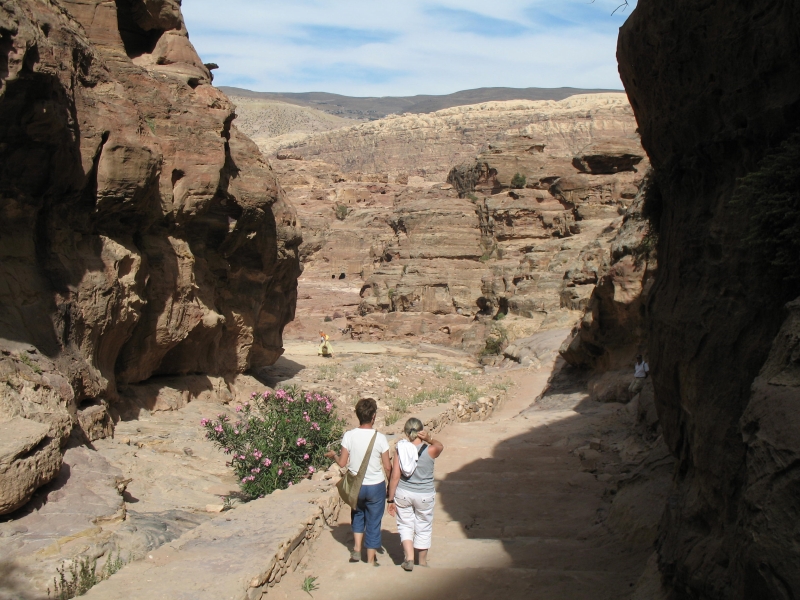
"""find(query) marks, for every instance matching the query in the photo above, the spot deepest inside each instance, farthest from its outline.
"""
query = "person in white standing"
(640, 372)
(366, 519)
(412, 495)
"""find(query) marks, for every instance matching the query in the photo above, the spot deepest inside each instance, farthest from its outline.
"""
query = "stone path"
(516, 517)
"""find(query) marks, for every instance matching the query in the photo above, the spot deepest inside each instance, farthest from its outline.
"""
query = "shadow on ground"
(283, 369)
(536, 519)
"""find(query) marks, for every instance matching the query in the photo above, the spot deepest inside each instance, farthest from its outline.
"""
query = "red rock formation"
(142, 234)
(714, 85)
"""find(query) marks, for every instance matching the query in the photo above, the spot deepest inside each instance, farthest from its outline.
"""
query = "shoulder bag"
(350, 485)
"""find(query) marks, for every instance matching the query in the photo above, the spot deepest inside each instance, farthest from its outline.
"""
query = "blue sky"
(406, 47)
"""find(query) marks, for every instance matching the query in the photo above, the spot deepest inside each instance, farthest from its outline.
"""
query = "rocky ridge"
(428, 145)
(391, 255)
(141, 234)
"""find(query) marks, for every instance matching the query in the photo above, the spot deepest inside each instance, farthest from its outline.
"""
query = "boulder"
(28, 459)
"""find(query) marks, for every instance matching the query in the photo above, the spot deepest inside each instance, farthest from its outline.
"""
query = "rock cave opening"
(135, 38)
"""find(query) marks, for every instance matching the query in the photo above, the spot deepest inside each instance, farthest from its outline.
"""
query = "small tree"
(518, 181)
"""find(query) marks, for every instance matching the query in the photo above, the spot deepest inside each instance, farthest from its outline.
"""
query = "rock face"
(403, 257)
(713, 89)
(613, 328)
(141, 233)
(429, 145)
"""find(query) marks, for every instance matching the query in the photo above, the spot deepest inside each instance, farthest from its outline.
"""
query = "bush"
(518, 181)
(327, 319)
(341, 211)
(280, 438)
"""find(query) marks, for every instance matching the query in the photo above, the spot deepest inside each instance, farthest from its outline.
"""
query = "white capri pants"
(415, 517)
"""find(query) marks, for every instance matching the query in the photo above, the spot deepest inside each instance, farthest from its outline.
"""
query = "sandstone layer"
(713, 87)
(429, 145)
(389, 255)
(141, 234)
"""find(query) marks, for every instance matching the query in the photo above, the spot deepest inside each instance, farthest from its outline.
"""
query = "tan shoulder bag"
(350, 485)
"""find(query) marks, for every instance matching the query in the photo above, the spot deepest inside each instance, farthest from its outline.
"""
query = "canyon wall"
(716, 91)
(428, 145)
(141, 234)
(391, 255)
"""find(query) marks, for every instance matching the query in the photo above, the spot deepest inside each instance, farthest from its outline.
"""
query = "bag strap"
(362, 470)
(421, 449)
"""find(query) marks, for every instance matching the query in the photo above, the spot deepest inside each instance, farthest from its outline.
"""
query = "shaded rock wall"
(140, 233)
(713, 86)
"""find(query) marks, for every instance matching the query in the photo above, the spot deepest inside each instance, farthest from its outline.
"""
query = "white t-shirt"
(356, 441)
(640, 370)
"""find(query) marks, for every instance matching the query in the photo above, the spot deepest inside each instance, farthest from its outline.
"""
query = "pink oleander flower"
(226, 450)
(218, 428)
(236, 431)
(204, 422)
(267, 462)
(315, 426)
(305, 457)
(281, 394)
(286, 463)
(306, 418)
(244, 479)
(280, 471)
(291, 483)
(241, 457)
(266, 394)
(256, 470)
(252, 478)
(301, 441)
(239, 408)
(311, 469)
(257, 454)
(254, 394)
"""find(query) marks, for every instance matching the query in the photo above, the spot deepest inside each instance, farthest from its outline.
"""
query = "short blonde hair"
(412, 427)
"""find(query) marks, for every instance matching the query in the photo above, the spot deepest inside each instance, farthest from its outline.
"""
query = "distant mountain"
(376, 108)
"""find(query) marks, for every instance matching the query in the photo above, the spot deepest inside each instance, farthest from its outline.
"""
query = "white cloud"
(392, 47)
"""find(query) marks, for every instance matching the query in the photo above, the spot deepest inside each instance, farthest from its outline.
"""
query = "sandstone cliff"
(140, 233)
(715, 89)
(429, 145)
(402, 257)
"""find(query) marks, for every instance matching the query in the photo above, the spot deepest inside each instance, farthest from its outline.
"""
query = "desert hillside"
(428, 145)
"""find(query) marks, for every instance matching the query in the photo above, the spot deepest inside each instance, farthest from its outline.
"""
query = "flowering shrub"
(278, 439)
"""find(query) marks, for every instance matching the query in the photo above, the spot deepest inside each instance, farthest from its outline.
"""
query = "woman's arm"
(387, 466)
(435, 447)
(341, 459)
(394, 479)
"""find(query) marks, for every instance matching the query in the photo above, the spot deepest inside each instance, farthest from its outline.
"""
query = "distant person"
(411, 493)
(366, 518)
(325, 348)
(641, 371)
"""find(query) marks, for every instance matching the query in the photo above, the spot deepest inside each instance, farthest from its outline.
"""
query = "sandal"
(375, 563)
(355, 556)
(408, 565)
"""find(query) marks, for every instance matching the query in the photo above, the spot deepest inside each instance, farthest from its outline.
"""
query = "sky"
(407, 47)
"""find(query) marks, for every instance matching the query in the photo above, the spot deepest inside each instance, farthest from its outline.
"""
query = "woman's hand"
(392, 510)
(330, 454)
(423, 435)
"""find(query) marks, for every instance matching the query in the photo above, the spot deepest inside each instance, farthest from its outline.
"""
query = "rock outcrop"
(401, 257)
(141, 234)
(428, 145)
(714, 89)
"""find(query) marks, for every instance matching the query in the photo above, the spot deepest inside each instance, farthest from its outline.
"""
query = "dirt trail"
(515, 517)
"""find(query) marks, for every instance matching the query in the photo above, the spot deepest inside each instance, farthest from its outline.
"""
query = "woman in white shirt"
(366, 519)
